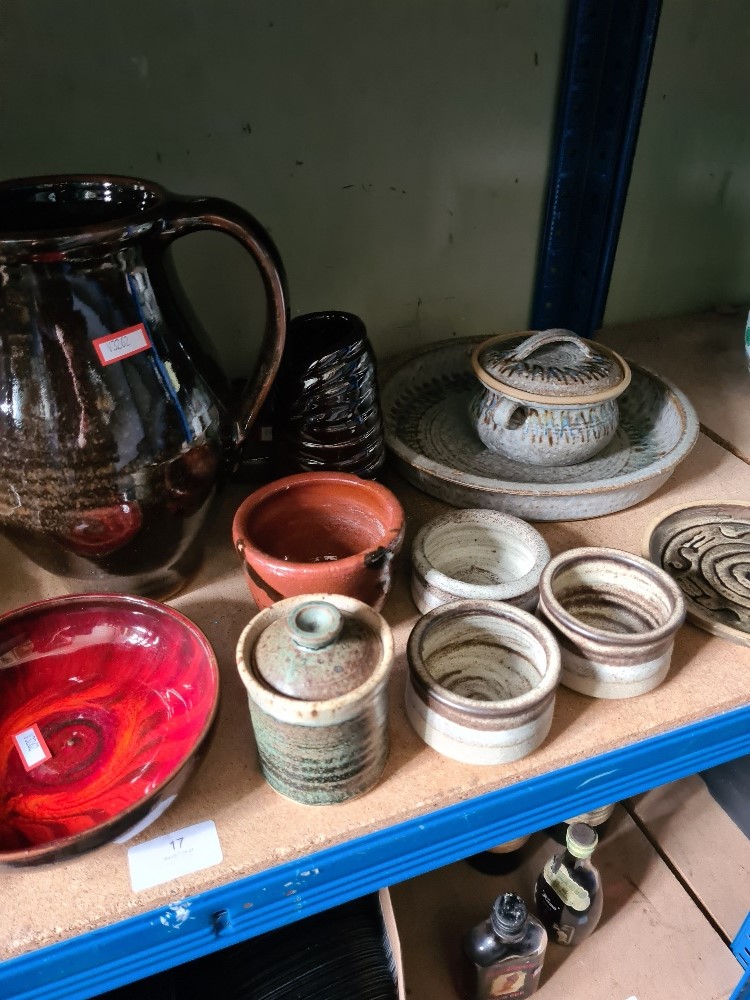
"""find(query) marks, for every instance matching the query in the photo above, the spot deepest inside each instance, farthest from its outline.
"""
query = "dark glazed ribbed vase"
(328, 415)
(114, 430)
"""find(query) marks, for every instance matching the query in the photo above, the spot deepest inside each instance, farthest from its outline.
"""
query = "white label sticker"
(175, 854)
(31, 746)
(570, 892)
(116, 346)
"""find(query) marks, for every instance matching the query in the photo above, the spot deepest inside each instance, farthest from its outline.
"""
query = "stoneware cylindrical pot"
(477, 555)
(615, 616)
(314, 749)
(482, 681)
(319, 532)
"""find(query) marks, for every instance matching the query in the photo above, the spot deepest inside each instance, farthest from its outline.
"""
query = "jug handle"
(181, 216)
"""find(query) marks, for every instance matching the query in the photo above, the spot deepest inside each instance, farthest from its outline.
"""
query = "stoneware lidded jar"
(547, 399)
(316, 671)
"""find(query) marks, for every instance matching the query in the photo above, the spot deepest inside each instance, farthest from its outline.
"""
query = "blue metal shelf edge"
(187, 928)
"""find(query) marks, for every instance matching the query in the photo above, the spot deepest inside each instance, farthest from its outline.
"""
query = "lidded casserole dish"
(549, 398)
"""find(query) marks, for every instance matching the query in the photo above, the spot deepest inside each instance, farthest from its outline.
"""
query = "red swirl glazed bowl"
(123, 692)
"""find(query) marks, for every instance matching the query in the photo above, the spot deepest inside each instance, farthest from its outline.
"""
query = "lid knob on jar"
(316, 652)
(315, 624)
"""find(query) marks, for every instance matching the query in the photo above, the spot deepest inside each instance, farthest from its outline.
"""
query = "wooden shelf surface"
(259, 829)
(704, 355)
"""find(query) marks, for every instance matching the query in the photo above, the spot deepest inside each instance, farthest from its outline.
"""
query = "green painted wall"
(685, 239)
(396, 149)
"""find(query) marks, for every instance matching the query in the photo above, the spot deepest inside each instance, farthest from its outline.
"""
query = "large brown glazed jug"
(115, 431)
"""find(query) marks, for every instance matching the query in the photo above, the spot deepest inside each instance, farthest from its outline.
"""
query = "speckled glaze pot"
(549, 398)
(319, 532)
(615, 616)
(482, 681)
(477, 555)
(316, 671)
(115, 434)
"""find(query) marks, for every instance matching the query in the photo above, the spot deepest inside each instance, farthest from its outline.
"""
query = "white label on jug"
(31, 746)
(124, 343)
(175, 854)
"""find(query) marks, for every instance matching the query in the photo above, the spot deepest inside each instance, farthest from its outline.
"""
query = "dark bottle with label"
(568, 893)
(503, 956)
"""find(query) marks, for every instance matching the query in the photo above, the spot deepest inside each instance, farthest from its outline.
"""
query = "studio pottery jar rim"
(552, 398)
(561, 618)
(271, 577)
(433, 585)
(393, 531)
(123, 226)
(522, 620)
(505, 651)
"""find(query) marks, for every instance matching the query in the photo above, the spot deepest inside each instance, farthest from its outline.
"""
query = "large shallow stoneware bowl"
(477, 555)
(319, 532)
(615, 616)
(426, 403)
(482, 681)
(124, 692)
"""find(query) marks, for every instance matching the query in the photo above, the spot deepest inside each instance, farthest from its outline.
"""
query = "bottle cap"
(509, 916)
(581, 840)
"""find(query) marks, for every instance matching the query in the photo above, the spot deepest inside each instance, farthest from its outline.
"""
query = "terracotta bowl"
(319, 532)
(482, 681)
(477, 555)
(124, 692)
(615, 616)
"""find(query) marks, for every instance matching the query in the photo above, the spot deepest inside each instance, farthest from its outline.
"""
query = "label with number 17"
(179, 853)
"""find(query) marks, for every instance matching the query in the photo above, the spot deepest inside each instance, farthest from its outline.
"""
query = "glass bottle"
(597, 818)
(568, 892)
(500, 860)
(503, 956)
